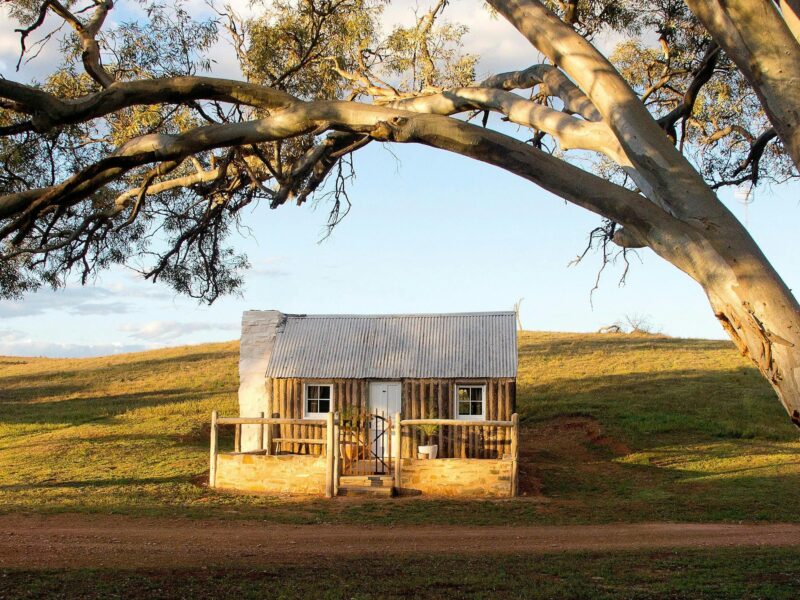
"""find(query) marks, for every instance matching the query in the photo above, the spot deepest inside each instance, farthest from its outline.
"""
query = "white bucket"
(428, 451)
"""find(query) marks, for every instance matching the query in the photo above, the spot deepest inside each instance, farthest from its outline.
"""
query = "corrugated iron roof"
(396, 346)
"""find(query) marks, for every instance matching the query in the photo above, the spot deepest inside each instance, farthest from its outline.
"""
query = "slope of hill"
(616, 428)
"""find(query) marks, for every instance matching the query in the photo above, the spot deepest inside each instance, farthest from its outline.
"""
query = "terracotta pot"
(349, 450)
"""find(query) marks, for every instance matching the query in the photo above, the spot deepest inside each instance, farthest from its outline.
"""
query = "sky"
(428, 232)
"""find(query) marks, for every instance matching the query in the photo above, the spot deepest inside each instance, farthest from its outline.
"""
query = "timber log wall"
(421, 399)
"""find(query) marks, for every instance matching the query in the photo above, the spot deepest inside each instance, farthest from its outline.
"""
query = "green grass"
(615, 428)
(718, 574)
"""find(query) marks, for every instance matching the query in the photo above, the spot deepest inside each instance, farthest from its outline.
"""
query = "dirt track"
(33, 542)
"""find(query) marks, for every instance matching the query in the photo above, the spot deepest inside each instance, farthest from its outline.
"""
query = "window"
(318, 400)
(470, 402)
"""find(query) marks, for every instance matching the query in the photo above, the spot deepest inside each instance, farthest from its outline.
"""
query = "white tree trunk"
(750, 300)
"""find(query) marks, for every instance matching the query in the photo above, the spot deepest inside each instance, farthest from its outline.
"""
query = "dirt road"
(34, 542)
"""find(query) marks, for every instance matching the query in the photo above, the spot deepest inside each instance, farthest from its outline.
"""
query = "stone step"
(366, 490)
(365, 480)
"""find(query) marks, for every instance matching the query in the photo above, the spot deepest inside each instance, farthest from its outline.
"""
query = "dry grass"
(616, 428)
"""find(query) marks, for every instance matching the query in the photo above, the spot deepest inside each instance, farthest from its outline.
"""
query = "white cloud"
(117, 297)
(165, 331)
(270, 267)
(33, 66)
(101, 308)
(17, 343)
(8, 336)
(87, 300)
(499, 46)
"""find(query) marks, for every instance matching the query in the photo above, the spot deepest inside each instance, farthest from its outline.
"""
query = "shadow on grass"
(31, 391)
(28, 388)
(88, 484)
(76, 411)
(616, 344)
(733, 403)
(111, 442)
(713, 481)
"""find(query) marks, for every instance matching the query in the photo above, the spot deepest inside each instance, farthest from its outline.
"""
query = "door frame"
(389, 416)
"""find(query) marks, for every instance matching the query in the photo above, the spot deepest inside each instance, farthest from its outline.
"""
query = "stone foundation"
(281, 474)
(466, 477)
(305, 474)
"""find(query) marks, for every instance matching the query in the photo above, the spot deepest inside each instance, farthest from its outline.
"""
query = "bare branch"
(702, 75)
(557, 84)
(756, 152)
(87, 33)
(569, 131)
(759, 41)
(378, 123)
(49, 111)
(644, 143)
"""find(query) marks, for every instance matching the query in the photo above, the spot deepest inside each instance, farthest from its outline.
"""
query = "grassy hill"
(616, 428)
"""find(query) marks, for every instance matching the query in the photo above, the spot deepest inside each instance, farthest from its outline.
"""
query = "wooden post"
(440, 415)
(514, 454)
(329, 452)
(397, 442)
(283, 429)
(414, 415)
(267, 433)
(336, 440)
(261, 433)
(266, 430)
(212, 469)
(237, 438)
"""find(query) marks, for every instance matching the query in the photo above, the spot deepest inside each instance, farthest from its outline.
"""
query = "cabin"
(379, 404)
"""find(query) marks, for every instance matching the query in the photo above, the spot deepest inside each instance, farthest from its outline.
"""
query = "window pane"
(477, 408)
(325, 391)
(463, 408)
(463, 394)
(477, 394)
(313, 406)
(312, 391)
(324, 406)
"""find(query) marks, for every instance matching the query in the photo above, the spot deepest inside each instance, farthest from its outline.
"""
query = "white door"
(384, 399)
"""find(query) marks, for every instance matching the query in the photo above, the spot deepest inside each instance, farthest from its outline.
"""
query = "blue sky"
(428, 232)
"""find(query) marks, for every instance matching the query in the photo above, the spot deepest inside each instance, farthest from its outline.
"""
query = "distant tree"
(124, 154)
(639, 324)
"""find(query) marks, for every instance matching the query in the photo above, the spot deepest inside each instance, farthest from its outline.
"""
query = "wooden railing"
(266, 438)
(511, 426)
(329, 443)
(458, 438)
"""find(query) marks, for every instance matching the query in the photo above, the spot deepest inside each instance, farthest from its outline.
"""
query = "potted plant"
(430, 450)
(348, 418)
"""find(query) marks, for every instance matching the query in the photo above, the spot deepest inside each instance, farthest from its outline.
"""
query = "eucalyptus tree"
(128, 151)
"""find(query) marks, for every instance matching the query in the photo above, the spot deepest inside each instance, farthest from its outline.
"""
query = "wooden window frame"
(316, 415)
(482, 416)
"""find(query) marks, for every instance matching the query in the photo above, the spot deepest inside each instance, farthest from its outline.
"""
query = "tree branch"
(756, 152)
(759, 41)
(49, 111)
(570, 132)
(663, 173)
(557, 84)
(702, 75)
(610, 200)
(790, 11)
